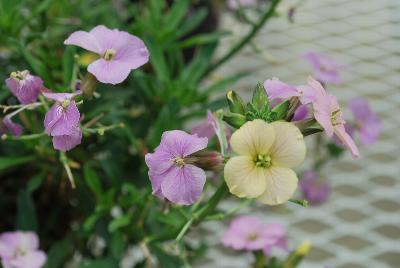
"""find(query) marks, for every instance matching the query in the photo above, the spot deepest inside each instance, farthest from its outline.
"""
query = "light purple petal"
(301, 113)
(134, 52)
(60, 97)
(179, 143)
(277, 89)
(183, 185)
(109, 72)
(32, 259)
(67, 142)
(326, 69)
(26, 90)
(62, 121)
(314, 189)
(208, 128)
(159, 161)
(52, 116)
(14, 128)
(84, 40)
(156, 181)
(307, 94)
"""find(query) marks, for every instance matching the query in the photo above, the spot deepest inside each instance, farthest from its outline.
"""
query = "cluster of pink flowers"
(21, 250)
(249, 234)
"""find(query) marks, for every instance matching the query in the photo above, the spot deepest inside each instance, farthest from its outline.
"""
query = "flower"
(265, 155)
(14, 128)
(328, 114)
(314, 190)
(21, 250)
(119, 51)
(301, 113)
(276, 89)
(171, 172)
(259, 237)
(367, 123)
(236, 4)
(210, 127)
(24, 86)
(326, 69)
(62, 121)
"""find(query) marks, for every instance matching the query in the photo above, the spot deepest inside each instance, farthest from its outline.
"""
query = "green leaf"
(119, 222)
(192, 22)
(37, 66)
(224, 83)
(176, 15)
(281, 109)
(35, 182)
(202, 39)
(117, 245)
(157, 59)
(58, 253)
(12, 161)
(26, 213)
(68, 65)
(92, 181)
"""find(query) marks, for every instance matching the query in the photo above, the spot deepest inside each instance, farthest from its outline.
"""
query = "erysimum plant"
(96, 159)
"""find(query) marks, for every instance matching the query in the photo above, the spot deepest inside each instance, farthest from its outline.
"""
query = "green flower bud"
(235, 102)
(260, 98)
(234, 120)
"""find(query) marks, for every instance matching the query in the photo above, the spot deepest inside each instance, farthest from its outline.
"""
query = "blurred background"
(359, 226)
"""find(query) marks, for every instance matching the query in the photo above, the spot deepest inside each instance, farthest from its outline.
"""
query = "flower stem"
(64, 161)
(246, 39)
(23, 137)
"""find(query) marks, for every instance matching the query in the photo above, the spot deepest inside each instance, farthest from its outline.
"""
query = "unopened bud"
(88, 85)
(260, 98)
(304, 248)
(234, 120)
(235, 102)
(207, 160)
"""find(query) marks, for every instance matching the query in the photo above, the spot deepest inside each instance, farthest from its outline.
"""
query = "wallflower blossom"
(328, 114)
(326, 69)
(367, 123)
(119, 51)
(172, 173)
(301, 113)
(210, 127)
(248, 233)
(265, 155)
(314, 190)
(62, 121)
(276, 89)
(14, 128)
(24, 86)
(237, 4)
(21, 250)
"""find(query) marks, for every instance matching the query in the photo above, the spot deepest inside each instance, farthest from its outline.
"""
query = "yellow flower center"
(252, 237)
(19, 75)
(336, 117)
(263, 160)
(179, 161)
(65, 103)
(109, 54)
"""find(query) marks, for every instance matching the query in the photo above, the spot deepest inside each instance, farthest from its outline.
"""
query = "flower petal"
(109, 72)
(180, 143)
(62, 122)
(253, 138)
(280, 185)
(84, 40)
(183, 185)
(67, 142)
(289, 149)
(276, 89)
(243, 178)
(15, 128)
(60, 97)
(347, 141)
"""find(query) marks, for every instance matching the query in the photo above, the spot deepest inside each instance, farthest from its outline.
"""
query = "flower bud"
(260, 98)
(207, 160)
(235, 120)
(304, 248)
(235, 102)
(88, 85)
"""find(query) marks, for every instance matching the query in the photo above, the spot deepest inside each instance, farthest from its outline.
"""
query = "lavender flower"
(248, 233)
(367, 123)
(326, 69)
(21, 250)
(120, 52)
(210, 127)
(276, 89)
(62, 121)
(315, 190)
(301, 113)
(24, 86)
(14, 128)
(171, 172)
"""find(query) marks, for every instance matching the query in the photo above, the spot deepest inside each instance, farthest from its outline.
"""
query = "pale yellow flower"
(266, 152)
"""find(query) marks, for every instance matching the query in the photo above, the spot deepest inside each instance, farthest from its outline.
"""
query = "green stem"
(24, 137)
(64, 161)
(242, 43)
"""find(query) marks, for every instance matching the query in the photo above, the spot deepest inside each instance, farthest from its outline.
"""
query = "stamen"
(336, 117)
(65, 103)
(263, 161)
(179, 161)
(109, 54)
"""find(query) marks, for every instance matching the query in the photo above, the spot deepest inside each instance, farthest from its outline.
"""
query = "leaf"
(192, 22)
(281, 109)
(224, 83)
(176, 15)
(117, 245)
(68, 65)
(37, 66)
(202, 39)
(58, 253)
(157, 59)
(12, 161)
(35, 182)
(92, 181)
(26, 213)
(100, 263)
(119, 222)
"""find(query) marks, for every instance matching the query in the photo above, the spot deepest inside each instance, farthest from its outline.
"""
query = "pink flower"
(171, 173)
(315, 190)
(21, 250)
(326, 69)
(15, 128)
(248, 233)
(301, 113)
(276, 89)
(120, 52)
(24, 86)
(328, 114)
(237, 4)
(209, 128)
(367, 123)
(62, 121)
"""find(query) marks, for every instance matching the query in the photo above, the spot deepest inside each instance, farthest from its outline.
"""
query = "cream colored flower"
(265, 155)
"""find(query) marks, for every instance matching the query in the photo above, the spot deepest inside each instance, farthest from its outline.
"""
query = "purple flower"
(171, 173)
(62, 121)
(209, 128)
(301, 113)
(248, 233)
(14, 128)
(315, 190)
(237, 4)
(326, 69)
(21, 250)
(276, 89)
(24, 86)
(367, 123)
(120, 52)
